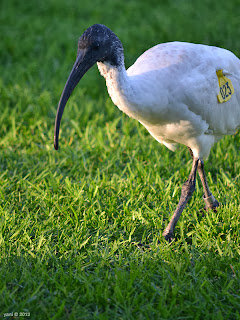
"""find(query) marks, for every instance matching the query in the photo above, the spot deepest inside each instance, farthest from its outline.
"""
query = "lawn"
(72, 221)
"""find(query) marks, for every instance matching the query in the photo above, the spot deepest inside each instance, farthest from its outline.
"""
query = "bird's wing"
(187, 74)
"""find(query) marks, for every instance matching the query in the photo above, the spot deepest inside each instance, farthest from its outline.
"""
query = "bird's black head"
(102, 45)
(97, 44)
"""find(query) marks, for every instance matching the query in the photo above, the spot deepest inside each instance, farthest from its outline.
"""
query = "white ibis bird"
(182, 93)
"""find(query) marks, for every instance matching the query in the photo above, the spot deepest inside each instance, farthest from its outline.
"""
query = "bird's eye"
(95, 46)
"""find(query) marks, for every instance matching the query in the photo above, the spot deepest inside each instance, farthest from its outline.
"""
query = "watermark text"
(16, 314)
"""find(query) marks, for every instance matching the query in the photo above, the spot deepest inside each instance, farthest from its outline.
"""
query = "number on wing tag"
(226, 87)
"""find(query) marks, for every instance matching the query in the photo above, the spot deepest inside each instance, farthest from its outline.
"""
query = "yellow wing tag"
(226, 87)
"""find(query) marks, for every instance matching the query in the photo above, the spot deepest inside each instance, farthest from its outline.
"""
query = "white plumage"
(173, 90)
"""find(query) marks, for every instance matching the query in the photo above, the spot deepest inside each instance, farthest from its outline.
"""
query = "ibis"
(182, 93)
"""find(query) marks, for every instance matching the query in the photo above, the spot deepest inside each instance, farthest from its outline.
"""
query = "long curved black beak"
(81, 66)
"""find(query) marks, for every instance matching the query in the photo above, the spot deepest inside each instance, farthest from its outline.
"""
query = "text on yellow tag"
(226, 87)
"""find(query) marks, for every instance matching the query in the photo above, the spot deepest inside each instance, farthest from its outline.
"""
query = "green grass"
(71, 221)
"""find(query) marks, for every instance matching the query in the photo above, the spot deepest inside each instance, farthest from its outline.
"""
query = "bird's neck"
(119, 86)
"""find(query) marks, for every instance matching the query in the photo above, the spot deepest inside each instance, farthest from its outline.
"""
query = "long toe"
(214, 207)
(168, 235)
(207, 208)
(211, 203)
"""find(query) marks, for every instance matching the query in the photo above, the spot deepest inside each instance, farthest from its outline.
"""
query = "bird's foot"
(211, 203)
(140, 245)
(168, 235)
